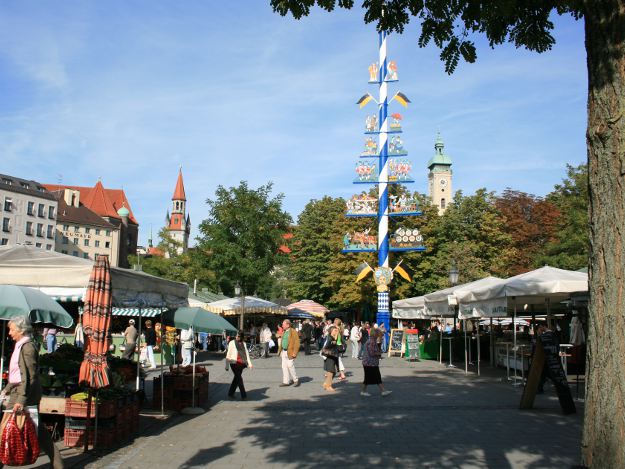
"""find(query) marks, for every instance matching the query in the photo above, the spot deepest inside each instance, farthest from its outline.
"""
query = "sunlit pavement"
(435, 417)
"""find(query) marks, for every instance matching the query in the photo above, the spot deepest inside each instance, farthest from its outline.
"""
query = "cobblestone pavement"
(435, 417)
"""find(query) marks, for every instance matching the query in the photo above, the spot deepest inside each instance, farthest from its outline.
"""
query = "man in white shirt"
(354, 338)
(187, 339)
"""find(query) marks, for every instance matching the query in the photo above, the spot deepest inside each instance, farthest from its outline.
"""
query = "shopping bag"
(272, 344)
(19, 446)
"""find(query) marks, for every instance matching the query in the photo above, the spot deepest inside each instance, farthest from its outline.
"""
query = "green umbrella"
(17, 301)
(198, 318)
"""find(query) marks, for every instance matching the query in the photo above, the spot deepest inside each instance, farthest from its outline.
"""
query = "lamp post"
(453, 281)
(238, 291)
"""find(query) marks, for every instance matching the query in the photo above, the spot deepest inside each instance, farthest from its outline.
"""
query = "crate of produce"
(76, 438)
(106, 409)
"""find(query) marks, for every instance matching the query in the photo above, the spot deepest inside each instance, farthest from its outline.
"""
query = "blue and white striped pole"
(383, 315)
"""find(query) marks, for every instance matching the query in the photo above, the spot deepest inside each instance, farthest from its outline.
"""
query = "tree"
(317, 228)
(241, 237)
(569, 248)
(531, 222)
(450, 24)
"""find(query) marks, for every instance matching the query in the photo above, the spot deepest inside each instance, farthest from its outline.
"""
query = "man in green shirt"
(288, 349)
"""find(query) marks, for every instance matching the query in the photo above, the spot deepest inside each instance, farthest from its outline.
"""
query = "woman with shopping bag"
(23, 391)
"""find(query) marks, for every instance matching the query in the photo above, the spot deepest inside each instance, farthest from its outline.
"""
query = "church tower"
(440, 177)
(179, 223)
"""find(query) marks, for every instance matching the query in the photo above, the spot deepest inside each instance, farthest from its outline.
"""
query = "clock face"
(442, 182)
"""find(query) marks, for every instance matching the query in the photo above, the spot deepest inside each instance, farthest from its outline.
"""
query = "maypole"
(389, 169)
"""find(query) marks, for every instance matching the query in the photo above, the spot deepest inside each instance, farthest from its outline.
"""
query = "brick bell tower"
(179, 223)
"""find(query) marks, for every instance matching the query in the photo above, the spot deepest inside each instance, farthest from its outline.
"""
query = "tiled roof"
(80, 215)
(24, 186)
(104, 202)
(179, 191)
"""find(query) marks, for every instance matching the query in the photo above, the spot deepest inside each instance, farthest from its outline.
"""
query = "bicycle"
(255, 350)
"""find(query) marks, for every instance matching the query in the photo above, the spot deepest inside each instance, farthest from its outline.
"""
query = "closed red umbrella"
(96, 323)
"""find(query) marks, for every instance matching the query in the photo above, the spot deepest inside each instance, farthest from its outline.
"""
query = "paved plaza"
(435, 417)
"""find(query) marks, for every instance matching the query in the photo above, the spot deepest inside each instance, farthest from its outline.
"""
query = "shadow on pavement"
(422, 424)
(206, 456)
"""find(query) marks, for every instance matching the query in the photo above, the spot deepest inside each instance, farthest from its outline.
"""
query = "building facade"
(116, 228)
(440, 177)
(179, 222)
(28, 213)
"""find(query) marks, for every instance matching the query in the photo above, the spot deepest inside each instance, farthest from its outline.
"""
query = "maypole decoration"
(383, 161)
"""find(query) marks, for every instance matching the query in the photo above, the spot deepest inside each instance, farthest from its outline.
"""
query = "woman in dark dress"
(330, 355)
(371, 363)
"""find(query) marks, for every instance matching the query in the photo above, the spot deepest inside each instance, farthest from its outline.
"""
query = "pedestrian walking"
(203, 337)
(364, 336)
(150, 343)
(79, 334)
(371, 364)
(187, 344)
(130, 337)
(265, 338)
(23, 390)
(238, 358)
(307, 333)
(341, 347)
(288, 348)
(330, 355)
(354, 338)
(49, 336)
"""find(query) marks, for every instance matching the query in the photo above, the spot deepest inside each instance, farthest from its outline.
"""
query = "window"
(38, 245)
(97, 243)
(8, 204)
(41, 209)
(442, 203)
(6, 225)
(48, 247)
(63, 251)
(65, 227)
(76, 241)
(75, 227)
(65, 240)
(51, 212)
(39, 229)
(50, 232)
(86, 242)
(75, 253)
(31, 208)
(97, 231)
(25, 185)
(107, 244)
(108, 232)
(85, 255)
(29, 228)
(4, 242)
(87, 230)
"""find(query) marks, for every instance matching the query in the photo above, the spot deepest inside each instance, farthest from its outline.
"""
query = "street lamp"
(238, 291)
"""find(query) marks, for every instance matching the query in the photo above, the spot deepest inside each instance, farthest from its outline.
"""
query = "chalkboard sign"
(412, 341)
(395, 345)
(546, 356)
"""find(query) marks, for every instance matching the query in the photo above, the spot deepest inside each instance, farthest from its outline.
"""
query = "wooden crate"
(52, 405)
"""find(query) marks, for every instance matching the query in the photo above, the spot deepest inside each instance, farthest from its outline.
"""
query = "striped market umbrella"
(96, 323)
(308, 306)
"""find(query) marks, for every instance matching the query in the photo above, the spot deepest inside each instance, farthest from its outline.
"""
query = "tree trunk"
(603, 444)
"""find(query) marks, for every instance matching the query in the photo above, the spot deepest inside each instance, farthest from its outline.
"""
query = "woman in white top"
(265, 338)
(238, 358)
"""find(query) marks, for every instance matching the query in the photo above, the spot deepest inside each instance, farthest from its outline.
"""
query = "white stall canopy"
(66, 277)
(538, 287)
(442, 302)
(409, 308)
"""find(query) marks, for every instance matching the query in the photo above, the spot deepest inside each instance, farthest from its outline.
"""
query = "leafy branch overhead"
(452, 24)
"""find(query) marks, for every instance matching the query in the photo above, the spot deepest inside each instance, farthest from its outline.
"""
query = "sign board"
(546, 356)
(413, 345)
(396, 341)
(452, 300)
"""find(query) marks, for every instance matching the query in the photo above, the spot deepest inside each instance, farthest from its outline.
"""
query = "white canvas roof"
(437, 303)
(547, 284)
(409, 308)
(232, 306)
(60, 275)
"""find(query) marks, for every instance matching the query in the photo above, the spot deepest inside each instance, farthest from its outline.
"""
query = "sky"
(129, 91)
